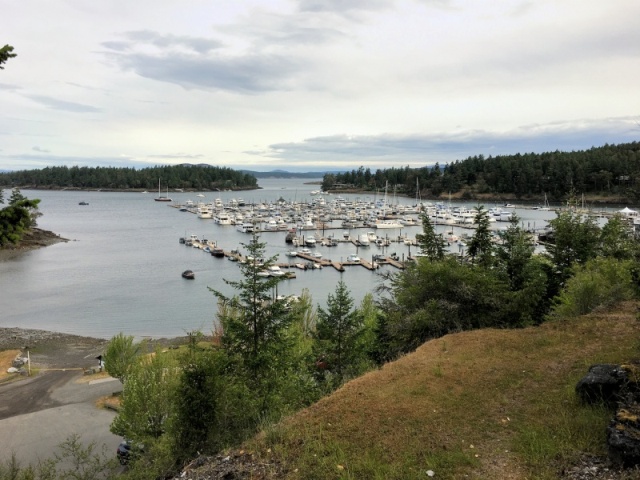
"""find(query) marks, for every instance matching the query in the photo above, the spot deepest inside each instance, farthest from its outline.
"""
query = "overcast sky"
(313, 84)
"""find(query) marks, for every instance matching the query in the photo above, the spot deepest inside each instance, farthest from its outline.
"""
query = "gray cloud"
(391, 149)
(57, 104)
(41, 150)
(246, 74)
(9, 87)
(342, 6)
(164, 41)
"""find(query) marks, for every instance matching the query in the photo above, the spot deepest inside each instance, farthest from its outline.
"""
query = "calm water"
(121, 270)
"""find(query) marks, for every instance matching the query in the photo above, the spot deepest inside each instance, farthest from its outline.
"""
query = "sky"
(313, 85)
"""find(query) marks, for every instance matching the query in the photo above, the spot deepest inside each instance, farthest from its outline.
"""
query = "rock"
(19, 361)
(623, 436)
(12, 370)
(603, 383)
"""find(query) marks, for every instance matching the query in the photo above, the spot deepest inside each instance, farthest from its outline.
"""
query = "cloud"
(168, 41)
(9, 87)
(179, 156)
(421, 149)
(42, 159)
(41, 150)
(342, 6)
(241, 74)
(63, 105)
(196, 62)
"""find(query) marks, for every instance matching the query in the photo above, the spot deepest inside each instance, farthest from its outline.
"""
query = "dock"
(309, 261)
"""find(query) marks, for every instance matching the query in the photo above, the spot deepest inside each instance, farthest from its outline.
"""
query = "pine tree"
(430, 243)
(337, 333)
(255, 325)
(480, 246)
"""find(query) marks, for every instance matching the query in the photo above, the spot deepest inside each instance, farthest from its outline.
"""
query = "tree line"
(609, 170)
(194, 177)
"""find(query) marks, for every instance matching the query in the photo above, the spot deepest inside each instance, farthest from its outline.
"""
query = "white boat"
(353, 259)
(387, 224)
(245, 227)
(305, 251)
(204, 211)
(310, 241)
(271, 225)
(363, 240)
(317, 255)
(292, 253)
(222, 219)
(274, 271)
(408, 221)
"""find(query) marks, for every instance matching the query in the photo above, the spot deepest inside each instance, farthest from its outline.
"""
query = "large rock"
(623, 436)
(603, 383)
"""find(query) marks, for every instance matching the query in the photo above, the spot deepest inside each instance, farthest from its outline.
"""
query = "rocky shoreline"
(18, 338)
(32, 240)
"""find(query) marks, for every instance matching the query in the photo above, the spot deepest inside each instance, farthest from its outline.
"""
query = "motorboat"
(353, 259)
(292, 253)
(363, 240)
(245, 227)
(274, 271)
(188, 274)
(217, 252)
(388, 224)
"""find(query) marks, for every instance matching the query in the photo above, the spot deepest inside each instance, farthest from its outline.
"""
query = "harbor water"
(121, 269)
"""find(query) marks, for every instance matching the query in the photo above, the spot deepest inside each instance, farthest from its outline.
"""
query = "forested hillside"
(195, 177)
(610, 170)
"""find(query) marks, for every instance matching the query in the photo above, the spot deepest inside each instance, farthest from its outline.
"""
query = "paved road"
(39, 413)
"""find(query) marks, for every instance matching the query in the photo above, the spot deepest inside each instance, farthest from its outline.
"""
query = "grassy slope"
(482, 404)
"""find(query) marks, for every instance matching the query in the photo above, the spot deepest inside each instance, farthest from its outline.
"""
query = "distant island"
(606, 174)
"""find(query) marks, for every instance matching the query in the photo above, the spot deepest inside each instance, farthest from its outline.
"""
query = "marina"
(121, 269)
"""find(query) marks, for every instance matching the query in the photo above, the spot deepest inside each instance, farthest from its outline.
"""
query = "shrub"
(600, 282)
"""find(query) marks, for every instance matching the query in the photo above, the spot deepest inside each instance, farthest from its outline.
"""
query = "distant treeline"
(178, 176)
(608, 170)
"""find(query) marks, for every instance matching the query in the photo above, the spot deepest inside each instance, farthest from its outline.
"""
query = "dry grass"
(482, 404)
(6, 358)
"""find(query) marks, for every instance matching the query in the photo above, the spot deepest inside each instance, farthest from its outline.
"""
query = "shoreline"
(53, 343)
(32, 240)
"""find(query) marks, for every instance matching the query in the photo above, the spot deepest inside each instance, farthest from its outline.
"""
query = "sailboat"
(545, 207)
(160, 198)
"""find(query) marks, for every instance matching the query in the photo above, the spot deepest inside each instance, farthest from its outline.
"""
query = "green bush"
(599, 283)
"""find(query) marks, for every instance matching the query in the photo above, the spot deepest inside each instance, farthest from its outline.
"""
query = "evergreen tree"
(575, 240)
(480, 246)
(514, 253)
(6, 54)
(338, 332)
(255, 325)
(617, 239)
(430, 243)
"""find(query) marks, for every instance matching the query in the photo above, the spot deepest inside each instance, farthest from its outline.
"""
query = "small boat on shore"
(188, 274)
